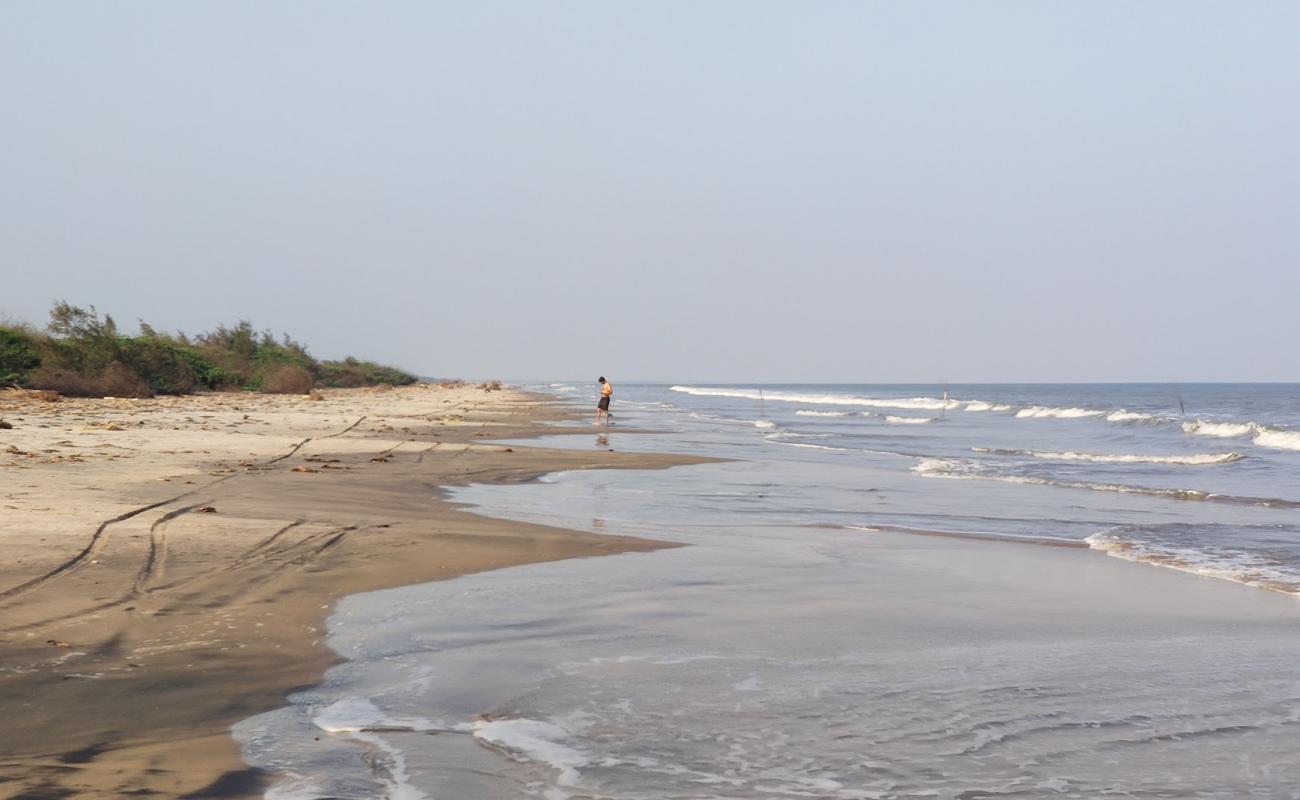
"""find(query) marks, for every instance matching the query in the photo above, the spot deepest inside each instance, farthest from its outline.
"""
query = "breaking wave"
(923, 403)
(1193, 459)
(1283, 440)
(957, 469)
(1034, 412)
(981, 405)
(1220, 430)
(1206, 549)
(1132, 416)
(1263, 436)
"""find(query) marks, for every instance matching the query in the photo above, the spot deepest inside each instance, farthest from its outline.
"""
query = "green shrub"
(159, 363)
(351, 372)
(17, 355)
(84, 354)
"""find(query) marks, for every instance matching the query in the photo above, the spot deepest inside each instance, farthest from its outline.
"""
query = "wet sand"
(166, 565)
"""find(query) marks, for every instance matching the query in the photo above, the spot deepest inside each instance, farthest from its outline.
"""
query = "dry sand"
(166, 565)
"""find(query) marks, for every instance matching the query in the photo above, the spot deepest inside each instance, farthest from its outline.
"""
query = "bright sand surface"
(166, 565)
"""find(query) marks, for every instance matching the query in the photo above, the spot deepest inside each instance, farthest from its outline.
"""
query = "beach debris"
(304, 469)
(314, 396)
(379, 460)
(57, 643)
(206, 510)
(8, 426)
(102, 426)
(38, 395)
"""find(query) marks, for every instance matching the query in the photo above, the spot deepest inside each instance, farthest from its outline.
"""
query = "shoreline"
(193, 591)
(929, 647)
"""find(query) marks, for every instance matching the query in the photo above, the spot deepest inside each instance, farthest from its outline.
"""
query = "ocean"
(773, 657)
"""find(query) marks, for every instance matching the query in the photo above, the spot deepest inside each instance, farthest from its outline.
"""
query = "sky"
(679, 191)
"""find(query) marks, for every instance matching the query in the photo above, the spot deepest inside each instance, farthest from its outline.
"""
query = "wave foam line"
(803, 412)
(922, 403)
(982, 405)
(536, 740)
(1194, 459)
(810, 446)
(1244, 568)
(1132, 416)
(1045, 412)
(892, 420)
(986, 537)
(964, 470)
(1279, 439)
(1263, 436)
(1220, 430)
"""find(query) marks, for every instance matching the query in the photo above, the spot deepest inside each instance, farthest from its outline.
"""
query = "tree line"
(83, 353)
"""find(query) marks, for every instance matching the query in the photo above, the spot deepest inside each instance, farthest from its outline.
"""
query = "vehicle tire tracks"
(99, 539)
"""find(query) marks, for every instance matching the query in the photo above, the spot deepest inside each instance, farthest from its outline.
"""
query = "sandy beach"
(166, 564)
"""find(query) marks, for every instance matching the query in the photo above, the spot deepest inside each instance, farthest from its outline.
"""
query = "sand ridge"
(166, 565)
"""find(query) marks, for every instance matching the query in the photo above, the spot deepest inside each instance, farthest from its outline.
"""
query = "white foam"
(892, 420)
(1130, 416)
(1237, 567)
(536, 740)
(358, 714)
(811, 446)
(981, 405)
(1192, 459)
(1221, 430)
(1283, 440)
(397, 779)
(955, 469)
(1036, 412)
(360, 718)
(924, 403)
(803, 412)
(764, 423)
(296, 787)
(781, 433)
(348, 714)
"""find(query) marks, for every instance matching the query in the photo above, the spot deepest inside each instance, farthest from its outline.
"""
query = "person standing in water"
(602, 408)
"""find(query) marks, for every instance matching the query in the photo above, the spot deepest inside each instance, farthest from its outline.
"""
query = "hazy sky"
(686, 191)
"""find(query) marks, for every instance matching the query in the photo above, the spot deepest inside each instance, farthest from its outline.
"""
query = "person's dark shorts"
(603, 405)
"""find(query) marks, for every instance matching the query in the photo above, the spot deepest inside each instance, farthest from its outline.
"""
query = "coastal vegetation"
(81, 353)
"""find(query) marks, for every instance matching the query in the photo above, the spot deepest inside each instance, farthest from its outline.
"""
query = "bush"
(287, 379)
(17, 355)
(158, 362)
(351, 372)
(116, 380)
(85, 355)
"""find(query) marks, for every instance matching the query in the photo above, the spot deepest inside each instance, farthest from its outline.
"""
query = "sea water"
(752, 663)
